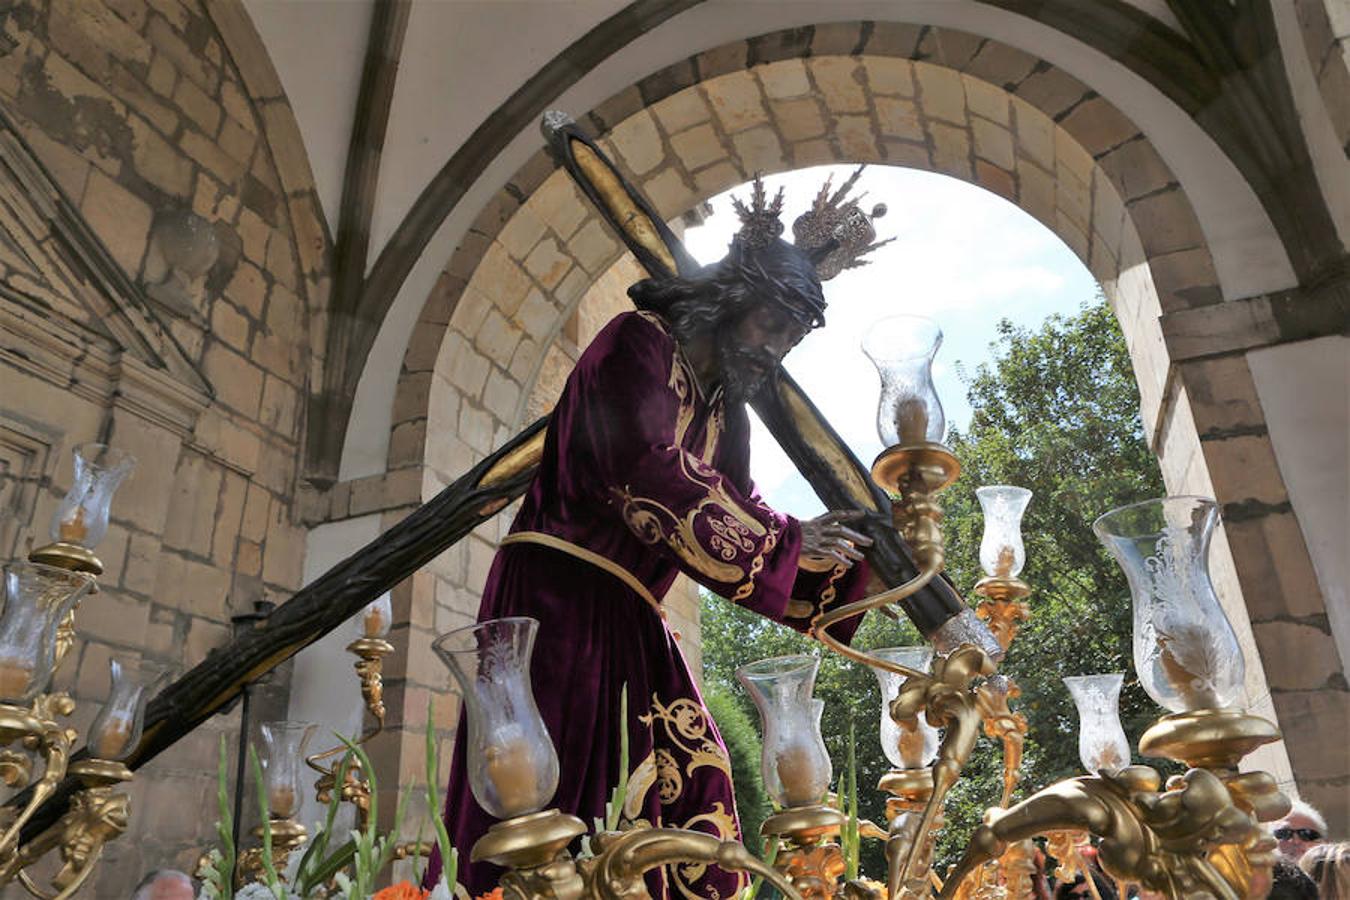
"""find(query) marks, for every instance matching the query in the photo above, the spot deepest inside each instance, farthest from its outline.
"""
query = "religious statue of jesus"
(646, 474)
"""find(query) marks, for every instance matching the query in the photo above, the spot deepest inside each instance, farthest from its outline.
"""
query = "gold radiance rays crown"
(834, 233)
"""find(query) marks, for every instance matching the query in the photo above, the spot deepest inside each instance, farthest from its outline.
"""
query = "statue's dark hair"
(720, 293)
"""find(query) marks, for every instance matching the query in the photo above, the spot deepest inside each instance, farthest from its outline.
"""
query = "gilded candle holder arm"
(370, 649)
(1149, 836)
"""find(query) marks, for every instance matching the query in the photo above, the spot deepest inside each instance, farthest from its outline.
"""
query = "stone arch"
(987, 113)
(1327, 44)
(1055, 148)
(310, 239)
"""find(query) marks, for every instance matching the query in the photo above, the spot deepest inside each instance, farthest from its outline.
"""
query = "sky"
(963, 257)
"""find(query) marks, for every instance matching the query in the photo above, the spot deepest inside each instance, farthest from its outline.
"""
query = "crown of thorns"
(834, 233)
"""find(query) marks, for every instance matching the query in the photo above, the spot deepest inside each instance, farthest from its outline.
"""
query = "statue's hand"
(826, 541)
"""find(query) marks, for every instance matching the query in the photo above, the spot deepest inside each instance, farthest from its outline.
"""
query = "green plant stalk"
(269, 865)
(417, 857)
(449, 857)
(770, 853)
(614, 810)
(373, 850)
(225, 827)
(390, 840)
(325, 870)
(364, 840)
(853, 847)
(314, 853)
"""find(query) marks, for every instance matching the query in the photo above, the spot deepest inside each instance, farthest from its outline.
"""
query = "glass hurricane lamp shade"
(1002, 554)
(82, 517)
(907, 746)
(1102, 745)
(117, 728)
(795, 765)
(902, 348)
(1185, 650)
(513, 766)
(377, 617)
(282, 764)
(37, 598)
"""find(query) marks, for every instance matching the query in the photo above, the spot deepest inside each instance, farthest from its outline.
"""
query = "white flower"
(259, 891)
(441, 892)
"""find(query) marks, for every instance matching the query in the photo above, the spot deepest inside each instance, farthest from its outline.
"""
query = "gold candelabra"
(532, 849)
(284, 742)
(37, 632)
(370, 650)
(1196, 835)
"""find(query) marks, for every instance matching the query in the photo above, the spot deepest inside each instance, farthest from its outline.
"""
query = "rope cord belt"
(590, 556)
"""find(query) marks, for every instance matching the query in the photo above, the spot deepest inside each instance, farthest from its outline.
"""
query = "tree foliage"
(1056, 411)
(743, 746)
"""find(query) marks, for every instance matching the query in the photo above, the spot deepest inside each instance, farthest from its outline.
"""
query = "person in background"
(1289, 882)
(164, 884)
(1329, 867)
(1302, 828)
(1078, 889)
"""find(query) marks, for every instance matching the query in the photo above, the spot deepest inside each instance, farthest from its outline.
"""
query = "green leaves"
(743, 746)
(272, 880)
(449, 856)
(219, 877)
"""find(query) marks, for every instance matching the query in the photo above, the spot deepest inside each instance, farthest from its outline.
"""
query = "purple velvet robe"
(644, 470)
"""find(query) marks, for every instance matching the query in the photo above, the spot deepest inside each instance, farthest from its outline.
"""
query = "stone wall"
(142, 115)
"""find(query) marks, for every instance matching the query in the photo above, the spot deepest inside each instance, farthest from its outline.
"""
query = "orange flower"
(494, 894)
(404, 890)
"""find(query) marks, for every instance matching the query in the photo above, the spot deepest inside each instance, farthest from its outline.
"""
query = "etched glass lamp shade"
(795, 765)
(377, 617)
(513, 766)
(906, 746)
(1002, 554)
(82, 517)
(1185, 651)
(1102, 745)
(902, 348)
(282, 758)
(37, 598)
(117, 728)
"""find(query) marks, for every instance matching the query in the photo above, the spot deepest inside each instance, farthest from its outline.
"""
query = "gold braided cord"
(590, 556)
(820, 624)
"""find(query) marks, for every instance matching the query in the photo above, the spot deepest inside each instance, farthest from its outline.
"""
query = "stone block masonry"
(140, 111)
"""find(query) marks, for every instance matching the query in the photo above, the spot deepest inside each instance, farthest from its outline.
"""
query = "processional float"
(1194, 836)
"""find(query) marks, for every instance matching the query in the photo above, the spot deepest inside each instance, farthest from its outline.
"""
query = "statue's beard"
(743, 371)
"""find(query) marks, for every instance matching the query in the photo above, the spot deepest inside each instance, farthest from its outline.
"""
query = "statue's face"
(752, 347)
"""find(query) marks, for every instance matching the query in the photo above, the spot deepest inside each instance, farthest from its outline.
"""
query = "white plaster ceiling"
(318, 48)
(462, 58)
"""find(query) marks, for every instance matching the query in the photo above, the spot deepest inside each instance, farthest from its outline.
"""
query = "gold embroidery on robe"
(757, 564)
(711, 437)
(639, 783)
(686, 726)
(685, 723)
(724, 828)
(733, 530)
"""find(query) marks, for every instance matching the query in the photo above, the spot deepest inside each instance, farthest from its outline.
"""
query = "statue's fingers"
(844, 515)
(848, 549)
(849, 534)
